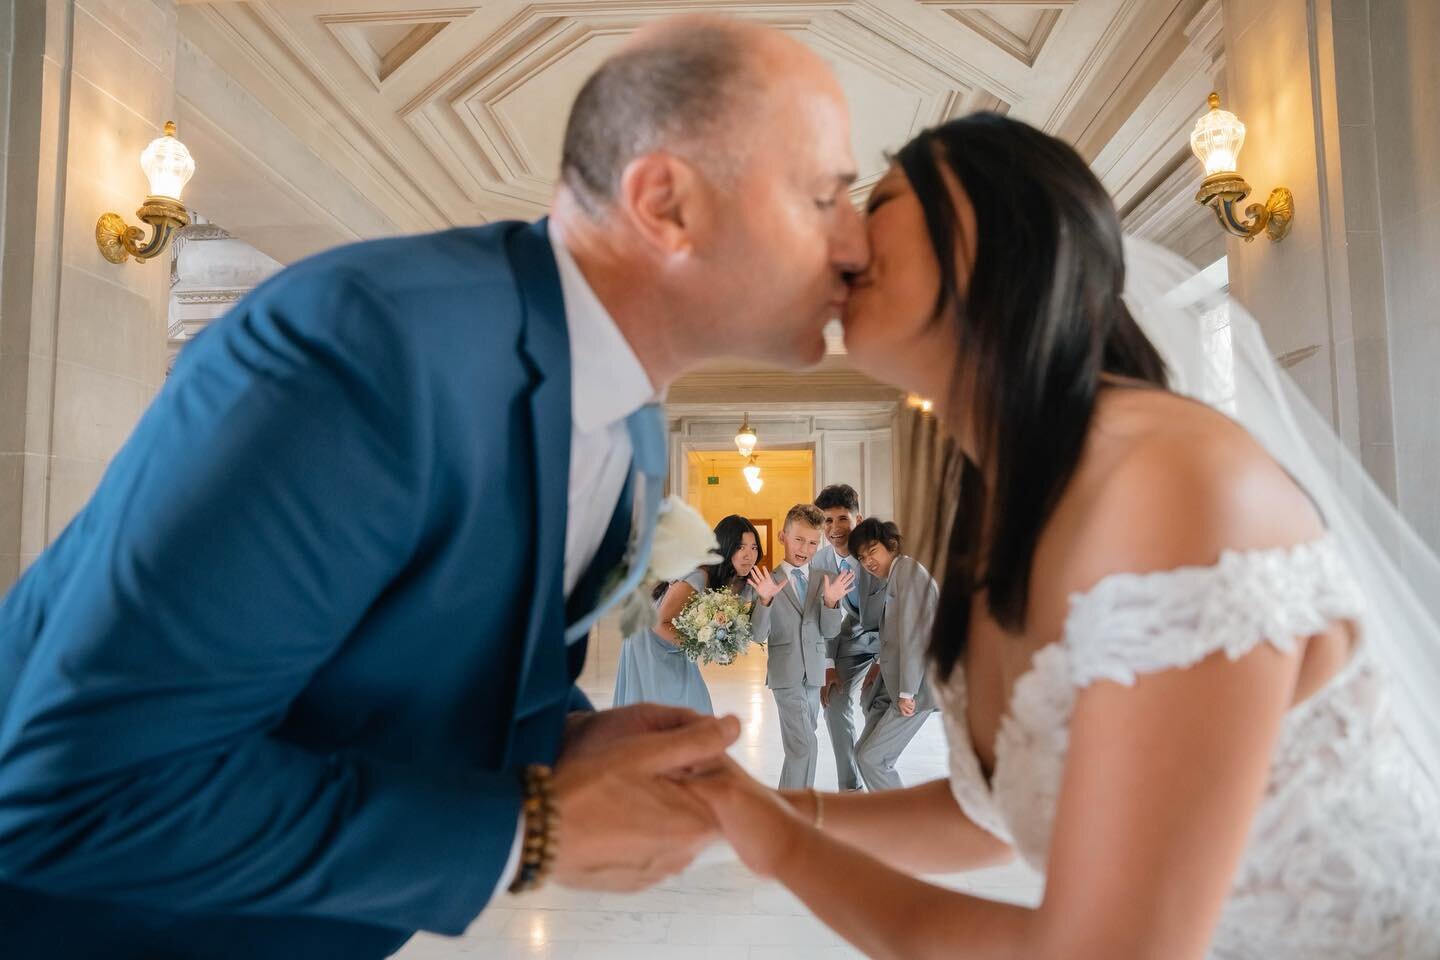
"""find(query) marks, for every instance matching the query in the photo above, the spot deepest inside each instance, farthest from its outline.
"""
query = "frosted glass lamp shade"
(167, 165)
(1217, 139)
(745, 439)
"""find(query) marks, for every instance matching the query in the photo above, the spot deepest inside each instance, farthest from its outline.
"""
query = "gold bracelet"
(538, 852)
(819, 823)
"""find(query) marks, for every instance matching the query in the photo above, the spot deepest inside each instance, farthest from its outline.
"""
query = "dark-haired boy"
(856, 646)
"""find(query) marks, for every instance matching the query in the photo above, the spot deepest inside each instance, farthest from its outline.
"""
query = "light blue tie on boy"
(648, 453)
(802, 584)
(854, 593)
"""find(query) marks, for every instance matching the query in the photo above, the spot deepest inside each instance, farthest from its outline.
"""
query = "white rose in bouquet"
(683, 541)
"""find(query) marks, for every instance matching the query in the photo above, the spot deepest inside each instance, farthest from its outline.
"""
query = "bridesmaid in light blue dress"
(652, 668)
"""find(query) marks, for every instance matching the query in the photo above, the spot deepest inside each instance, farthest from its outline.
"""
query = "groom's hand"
(589, 730)
(625, 822)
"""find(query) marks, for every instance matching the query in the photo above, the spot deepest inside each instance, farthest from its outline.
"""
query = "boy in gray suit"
(805, 615)
(853, 651)
(899, 698)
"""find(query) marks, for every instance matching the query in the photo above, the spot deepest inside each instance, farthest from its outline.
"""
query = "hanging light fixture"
(751, 471)
(746, 439)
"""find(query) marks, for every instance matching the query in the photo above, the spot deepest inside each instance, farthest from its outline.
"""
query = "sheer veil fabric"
(1215, 353)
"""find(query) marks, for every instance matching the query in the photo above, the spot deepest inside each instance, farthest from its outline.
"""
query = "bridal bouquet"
(714, 627)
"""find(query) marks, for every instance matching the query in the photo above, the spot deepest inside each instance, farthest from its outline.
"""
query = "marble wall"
(1270, 86)
(1404, 42)
(1339, 98)
(83, 345)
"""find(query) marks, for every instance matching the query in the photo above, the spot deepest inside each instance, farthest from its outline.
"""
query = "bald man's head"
(679, 85)
(712, 155)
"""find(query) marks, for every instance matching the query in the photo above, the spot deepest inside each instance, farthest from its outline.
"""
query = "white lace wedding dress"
(1343, 859)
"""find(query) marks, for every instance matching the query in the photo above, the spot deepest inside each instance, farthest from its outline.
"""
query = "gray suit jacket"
(911, 598)
(798, 634)
(860, 633)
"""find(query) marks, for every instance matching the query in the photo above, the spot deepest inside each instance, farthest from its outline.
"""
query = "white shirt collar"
(788, 566)
(607, 382)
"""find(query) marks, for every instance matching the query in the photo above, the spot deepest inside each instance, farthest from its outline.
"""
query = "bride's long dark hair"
(1038, 323)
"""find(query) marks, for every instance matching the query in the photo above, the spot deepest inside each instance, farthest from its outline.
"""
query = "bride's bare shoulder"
(1179, 483)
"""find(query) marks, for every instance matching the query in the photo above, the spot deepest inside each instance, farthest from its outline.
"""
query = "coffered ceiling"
(447, 114)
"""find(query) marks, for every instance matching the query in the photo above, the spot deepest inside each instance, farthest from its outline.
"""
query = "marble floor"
(716, 910)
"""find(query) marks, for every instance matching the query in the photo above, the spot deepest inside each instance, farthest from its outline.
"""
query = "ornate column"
(210, 271)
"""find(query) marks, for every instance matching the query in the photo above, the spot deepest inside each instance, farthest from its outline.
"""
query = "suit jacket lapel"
(546, 347)
(789, 591)
(817, 583)
(591, 588)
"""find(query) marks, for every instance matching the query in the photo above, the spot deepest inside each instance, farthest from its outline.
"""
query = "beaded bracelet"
(541, 819)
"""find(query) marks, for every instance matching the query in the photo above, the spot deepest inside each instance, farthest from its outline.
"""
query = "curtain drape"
(927, 486)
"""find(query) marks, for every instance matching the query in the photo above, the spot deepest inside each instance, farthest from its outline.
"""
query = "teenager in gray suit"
(804, 598)
(853, 651)
(899, 698)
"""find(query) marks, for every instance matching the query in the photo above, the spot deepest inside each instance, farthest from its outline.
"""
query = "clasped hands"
(641, 790)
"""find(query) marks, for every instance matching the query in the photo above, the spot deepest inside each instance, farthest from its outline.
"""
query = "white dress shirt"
(607, 384)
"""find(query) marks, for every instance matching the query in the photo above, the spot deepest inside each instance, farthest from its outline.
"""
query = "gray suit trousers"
(840, 717)
(799, 718)
(887, 733)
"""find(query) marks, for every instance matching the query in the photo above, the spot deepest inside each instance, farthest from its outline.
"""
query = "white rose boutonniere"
(683, 541)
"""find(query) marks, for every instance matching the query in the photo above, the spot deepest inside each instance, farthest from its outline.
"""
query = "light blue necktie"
(802, 584)
(854, 594)
(647, 443)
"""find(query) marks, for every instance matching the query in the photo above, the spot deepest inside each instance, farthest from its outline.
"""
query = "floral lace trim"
(967, 782)
(1130, 624)
(1030, 750)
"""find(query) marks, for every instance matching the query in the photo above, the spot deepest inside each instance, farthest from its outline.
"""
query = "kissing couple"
(299, 679)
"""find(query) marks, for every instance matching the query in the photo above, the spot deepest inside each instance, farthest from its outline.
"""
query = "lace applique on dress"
(1343, 859)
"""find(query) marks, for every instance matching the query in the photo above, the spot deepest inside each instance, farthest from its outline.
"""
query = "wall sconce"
(920, 403)
(1216, 140)
(746, 439)
(168, 166)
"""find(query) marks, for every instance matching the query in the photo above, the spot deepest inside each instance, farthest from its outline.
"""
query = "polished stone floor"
(716, 910)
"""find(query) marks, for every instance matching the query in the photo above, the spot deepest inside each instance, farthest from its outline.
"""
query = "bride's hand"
(763, 828)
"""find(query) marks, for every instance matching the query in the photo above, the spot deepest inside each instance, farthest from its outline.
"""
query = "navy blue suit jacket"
(267, 693)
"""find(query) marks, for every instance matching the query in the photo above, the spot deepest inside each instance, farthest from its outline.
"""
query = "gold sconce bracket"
(1216, 140)
(118, 241)
(1224, 192)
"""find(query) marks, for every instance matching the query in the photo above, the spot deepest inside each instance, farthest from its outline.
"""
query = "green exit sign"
(713, 481)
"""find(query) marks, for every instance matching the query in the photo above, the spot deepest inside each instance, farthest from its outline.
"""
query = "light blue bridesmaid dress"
(653, 670)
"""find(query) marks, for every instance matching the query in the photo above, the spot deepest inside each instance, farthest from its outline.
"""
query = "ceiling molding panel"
(455, 113)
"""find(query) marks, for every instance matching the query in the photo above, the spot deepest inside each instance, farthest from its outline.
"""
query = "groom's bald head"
(708, 155)
(679, 85)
